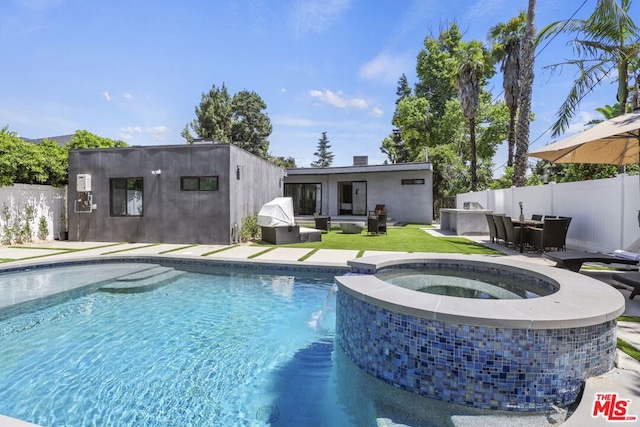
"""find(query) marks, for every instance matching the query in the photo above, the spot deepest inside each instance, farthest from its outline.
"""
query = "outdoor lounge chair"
(632, 279)
(573, 260)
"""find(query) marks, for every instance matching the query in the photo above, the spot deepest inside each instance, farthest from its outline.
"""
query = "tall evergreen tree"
(325, 157)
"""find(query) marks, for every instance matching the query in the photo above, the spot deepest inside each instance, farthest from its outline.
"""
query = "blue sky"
(135, 70)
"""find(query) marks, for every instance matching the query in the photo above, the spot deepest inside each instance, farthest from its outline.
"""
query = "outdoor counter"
(464, 221)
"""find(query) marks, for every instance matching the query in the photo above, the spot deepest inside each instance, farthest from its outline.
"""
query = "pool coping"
(579, 301)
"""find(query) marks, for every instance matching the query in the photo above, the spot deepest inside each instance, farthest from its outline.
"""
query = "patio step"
(143, 281)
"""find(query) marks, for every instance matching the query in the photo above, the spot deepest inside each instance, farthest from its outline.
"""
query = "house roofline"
(359, 169)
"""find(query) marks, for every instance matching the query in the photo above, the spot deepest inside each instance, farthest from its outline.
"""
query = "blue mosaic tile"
(484, 367)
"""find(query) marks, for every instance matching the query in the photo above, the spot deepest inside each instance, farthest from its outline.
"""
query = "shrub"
(249, 229)
(43, 228)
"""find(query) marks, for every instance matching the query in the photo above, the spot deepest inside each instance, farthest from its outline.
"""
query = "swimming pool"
(215, 345)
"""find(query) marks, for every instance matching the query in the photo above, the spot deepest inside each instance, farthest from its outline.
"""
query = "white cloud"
(159, 133)
(315, 16)
(127, 96)
(578, 123)
(337, 99)
(106, 96)
(376, 112)
(386, 68)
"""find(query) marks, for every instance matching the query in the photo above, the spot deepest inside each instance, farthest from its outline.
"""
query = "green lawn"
(408, 238)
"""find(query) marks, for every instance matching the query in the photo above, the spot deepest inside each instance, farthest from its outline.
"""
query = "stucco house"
(405, 188)
(190, 193)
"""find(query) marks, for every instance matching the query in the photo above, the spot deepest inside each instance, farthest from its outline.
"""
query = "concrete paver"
(198, 250)
(22, 253)
(284, 254)
(333, 256)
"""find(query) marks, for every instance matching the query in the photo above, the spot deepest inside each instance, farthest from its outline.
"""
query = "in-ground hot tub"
(517, 354)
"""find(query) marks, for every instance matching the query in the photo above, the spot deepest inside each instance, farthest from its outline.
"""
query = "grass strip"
(130, 249)
(628, 349)
(226, 248)
(260, 253)
(629, 318)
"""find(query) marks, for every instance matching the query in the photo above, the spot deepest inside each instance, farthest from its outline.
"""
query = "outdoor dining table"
(522, 223)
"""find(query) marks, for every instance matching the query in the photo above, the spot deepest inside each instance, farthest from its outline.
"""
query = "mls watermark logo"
(611, 408)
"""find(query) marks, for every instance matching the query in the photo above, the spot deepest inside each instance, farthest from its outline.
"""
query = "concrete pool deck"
(623, 380)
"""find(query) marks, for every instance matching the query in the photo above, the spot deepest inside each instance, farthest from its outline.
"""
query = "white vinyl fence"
(604, 211)
(46, 201)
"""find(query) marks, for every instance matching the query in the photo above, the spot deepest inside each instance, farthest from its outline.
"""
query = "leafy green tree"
(393, 145)
(27, 163)
(239, 120)
(473, 63)
(324, 156)
(507, 42)
(283, 162)
(251, 127)
(526, 91)
(9, 148)
(85, 139)
(608, 38)
(214, 117)
(436, 70)
(411, 118)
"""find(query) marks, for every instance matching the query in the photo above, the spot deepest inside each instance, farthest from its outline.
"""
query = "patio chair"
(500, 230)
(379, 209)
(322, 222)
(377, 224)
(553, 234)
(536, 217)
(515, 235)
(493, 231)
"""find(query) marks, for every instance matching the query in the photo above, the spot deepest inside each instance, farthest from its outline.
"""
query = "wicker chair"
(500, 231)
(513, 233)
(493, 231)
(553, 234)
(377, 224)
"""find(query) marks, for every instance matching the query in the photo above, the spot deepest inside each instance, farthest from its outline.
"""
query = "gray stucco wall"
(405, 203)
(171, 215)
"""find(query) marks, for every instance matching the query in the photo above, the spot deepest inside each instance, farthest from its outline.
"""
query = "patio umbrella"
(615, 141)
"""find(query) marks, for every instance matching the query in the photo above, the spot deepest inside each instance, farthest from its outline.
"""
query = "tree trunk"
(474, 160)
(511, 139)
(526, 85)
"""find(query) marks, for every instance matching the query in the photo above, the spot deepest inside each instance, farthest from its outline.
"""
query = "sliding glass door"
(307, 198)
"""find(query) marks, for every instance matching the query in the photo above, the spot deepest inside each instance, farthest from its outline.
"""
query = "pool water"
(226, 348)
(463, 284)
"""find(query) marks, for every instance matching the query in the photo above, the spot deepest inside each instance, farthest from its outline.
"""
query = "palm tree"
(507, 41)
(608, 38)
(473, 60)
(526, 89)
